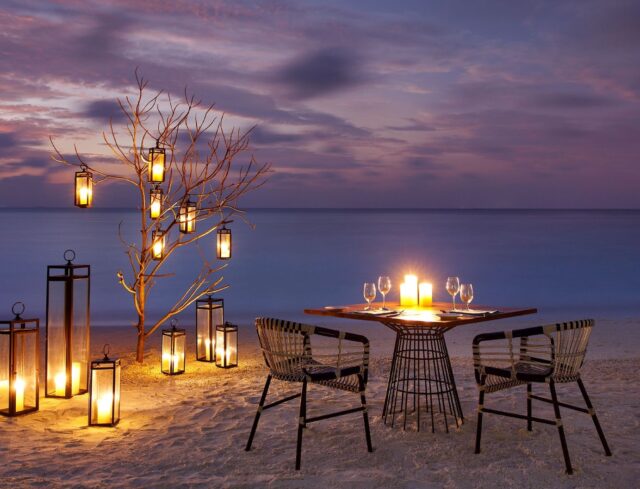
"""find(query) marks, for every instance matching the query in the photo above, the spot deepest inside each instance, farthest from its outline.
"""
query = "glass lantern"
(173, 350)
(158, 243)
(223, 248)
(68, 327)
(187, 217)
(19, 364)
(209, 314)
(104, 391)
(226, 345)
(157, 158)
(83, 195)
(155, 202)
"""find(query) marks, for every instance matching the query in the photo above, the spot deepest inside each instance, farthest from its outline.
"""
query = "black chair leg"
(365, 414)
(563, 441)
(529, 410)
(592, 412)
(479, 427)
(301, 422)
(257, 418)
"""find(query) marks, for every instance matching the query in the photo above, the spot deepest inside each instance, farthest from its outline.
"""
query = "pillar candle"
(104, 405)
(426, 294)
(409, 291)
(19, 387)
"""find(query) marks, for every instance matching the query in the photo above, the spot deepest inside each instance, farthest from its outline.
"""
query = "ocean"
(566, 263)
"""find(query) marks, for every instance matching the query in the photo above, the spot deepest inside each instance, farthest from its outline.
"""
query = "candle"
(75, 378)
(157, 247)
(221, 352)
(60, 381)
(224, 249)
(157, 169)
(19, 387)
(409, 291)
(207, 345)
(166, 357)
(426, 294)
(104, 405)
(155, 208)
(84, 195)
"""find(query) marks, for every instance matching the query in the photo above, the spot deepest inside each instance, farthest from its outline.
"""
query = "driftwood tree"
(202, 185)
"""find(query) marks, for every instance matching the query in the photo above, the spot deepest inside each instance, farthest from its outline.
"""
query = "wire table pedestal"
(422, 388)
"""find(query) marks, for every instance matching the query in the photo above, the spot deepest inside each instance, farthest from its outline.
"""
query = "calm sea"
(566, 263)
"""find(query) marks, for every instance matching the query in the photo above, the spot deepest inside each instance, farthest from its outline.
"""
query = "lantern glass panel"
(155, 203)
(157, 248)
(67, 330)
(173, 351)
(156, 165)
(84, 189)
(105, 392)
(187, 218)
(226, 345)
(25, 382)
(4, 371)
(209, 314)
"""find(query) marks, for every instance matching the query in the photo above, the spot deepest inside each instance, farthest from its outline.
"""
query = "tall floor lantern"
(68, 327)
(19, 364)
(209, 314)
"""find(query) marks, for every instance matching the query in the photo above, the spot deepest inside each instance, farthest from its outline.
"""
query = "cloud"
(104, 111)
(321, 72)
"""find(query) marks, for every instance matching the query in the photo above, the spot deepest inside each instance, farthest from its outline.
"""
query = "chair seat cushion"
(524, 371)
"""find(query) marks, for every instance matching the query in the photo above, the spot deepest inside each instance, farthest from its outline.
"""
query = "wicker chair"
(551, 354)
(288, 353)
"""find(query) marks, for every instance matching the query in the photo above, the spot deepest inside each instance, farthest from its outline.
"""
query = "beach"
(190, 431)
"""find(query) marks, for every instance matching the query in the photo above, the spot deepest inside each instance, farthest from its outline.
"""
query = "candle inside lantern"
(158, 246)
(155, 208)
(157, 168)
(221, 352)
(170, 362)
(19, 387)
(409, 291)
(60, 381)
(426, 294)
(224, 250)
(85, 193)
(75, 378)
(104, 405)
(207, 346)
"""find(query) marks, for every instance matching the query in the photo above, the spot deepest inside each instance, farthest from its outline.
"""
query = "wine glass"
(453, 286)
(466, 294)
(384, 286)
(369, 292)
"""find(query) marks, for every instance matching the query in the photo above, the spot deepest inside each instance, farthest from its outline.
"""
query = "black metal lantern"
(187, 217)
(68, 327)
(157, 158)
(155, 202)
(226, 345)
(83, 195)
(19, 364)
(173, 349)
(209, 314)
(157, 244)
(104, 391)
(223, 245)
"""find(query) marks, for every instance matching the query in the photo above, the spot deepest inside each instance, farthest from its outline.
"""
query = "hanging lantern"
(104, 391)
(187, 217)
(155, 202)
(68, 327)
(19, 364)
(209, 314)
(84, 188)
(173, 349)
(157, 159)
(226, 345)
(223, 247)
(158, 242)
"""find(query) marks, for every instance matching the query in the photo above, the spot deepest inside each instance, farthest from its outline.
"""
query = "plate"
(448, 315)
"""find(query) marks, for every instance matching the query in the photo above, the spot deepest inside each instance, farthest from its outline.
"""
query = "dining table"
(421, 385)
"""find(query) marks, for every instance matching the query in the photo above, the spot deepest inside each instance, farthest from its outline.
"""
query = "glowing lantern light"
(155, 202)
(209, 314)
(157, 158)
(19, 364)
(187, 217)
(173, 349)
(223, 248)
(157, 244)
(84, 188)
(68, 326)
(104, 391)
(226, 345)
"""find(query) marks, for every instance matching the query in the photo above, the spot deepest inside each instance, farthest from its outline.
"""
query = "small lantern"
(104, 391)
(157, 246)
(68, 326)
(157, 159)
(226, 345)
(155, 202)
(173, 348)
(223, 247)
(19, 364)
(187, 217)
(209, 314)
(84, 188)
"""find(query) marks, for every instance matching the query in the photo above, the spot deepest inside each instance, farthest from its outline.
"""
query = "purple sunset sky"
(358, 103)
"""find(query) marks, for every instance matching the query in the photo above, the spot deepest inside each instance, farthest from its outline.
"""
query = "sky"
(355, 103)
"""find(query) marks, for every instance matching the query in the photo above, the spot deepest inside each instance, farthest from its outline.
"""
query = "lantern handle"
(14, 310)
(174, 323)
(83, 167)
(106, 350)
(70, 253)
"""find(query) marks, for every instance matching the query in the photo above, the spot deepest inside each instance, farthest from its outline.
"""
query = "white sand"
(190, 431)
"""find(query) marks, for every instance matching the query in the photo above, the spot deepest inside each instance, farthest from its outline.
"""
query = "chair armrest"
(337, 358)
(334, 333)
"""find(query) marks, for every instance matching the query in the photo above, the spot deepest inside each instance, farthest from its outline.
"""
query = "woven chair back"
(570, 347)
(285, 345)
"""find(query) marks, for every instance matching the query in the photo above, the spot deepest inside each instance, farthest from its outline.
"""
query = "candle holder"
(173, 349)
(83, 195)
(19, 364)
(104, 391)
(226, 345)
(223, 243)
(68, 327)
(209, 314)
